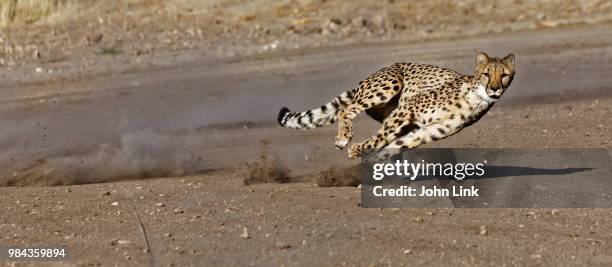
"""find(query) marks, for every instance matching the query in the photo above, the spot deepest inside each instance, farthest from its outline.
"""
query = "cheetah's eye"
(504, 75)
(486, 75)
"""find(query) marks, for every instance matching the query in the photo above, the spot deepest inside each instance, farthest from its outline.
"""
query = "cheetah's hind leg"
(377, 89)
(399, 123)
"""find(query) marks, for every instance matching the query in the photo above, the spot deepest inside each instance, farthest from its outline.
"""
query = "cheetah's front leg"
(358, 149)
(411, 140)
(417, 138)
(377, 141)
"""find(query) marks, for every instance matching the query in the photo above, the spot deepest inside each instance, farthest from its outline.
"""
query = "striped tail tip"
(281, 115)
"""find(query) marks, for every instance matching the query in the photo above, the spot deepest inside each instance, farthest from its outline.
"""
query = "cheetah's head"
(494, 74)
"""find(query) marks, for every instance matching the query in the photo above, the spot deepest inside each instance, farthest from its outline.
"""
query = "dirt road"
(209, 117)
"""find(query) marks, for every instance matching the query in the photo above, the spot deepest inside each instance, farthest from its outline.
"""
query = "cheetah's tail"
(318, 117)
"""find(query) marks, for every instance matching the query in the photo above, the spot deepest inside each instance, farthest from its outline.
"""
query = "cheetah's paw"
(354, 151)
(342, 141)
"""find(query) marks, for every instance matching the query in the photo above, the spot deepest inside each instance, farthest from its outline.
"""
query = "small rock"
(334, 25)
(115, 203)
(271, 46)
(281, 245)
(407, 251)
(330, 26)
(106, 193)
(359, 22)
(378, 21)
(531, 213)
(483, 230)
(245, 233)
(177, 210)
(554, 212)
(160, 204)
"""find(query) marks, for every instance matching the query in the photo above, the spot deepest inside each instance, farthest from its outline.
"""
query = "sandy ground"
(201, 219)
(210, 115)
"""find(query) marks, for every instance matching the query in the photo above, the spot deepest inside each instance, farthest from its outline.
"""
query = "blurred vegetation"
(56, 30)
(31, 11)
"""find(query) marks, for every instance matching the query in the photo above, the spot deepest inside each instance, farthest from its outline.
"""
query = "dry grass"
(24, 12)
(408, 13)
(41, 31)
(29, 11)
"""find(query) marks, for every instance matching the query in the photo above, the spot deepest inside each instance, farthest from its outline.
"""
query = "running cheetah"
(416, 103)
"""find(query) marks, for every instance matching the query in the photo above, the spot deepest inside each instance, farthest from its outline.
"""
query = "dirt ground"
(172, 95)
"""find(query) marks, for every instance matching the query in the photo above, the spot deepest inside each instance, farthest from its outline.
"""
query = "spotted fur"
(417, 103)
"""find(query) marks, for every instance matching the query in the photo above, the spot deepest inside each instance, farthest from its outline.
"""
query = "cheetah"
(416, 104)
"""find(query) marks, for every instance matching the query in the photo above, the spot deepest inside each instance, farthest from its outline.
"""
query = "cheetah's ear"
(509, 61)
(482, 59)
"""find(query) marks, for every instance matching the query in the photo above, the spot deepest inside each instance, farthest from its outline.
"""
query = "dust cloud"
(267, 169)
(143, 154)
(339, 176)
